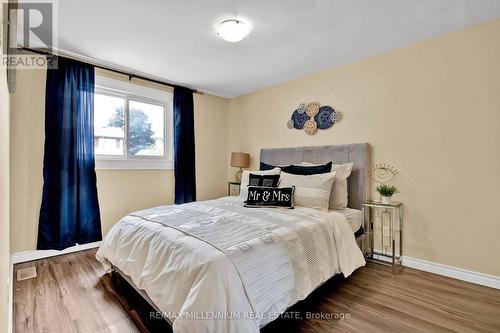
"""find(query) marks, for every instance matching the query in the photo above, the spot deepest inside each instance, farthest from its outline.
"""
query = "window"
(132, 126)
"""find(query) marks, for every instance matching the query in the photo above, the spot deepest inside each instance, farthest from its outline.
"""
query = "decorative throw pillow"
(339, 197)
(259, 196)
(311, 190)
(265, 166)
(308, 170)
(264, 180)
(297, 169)
(245, 179)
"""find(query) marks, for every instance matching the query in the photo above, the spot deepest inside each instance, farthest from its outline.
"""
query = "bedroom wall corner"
(432, 110)
(211, 134)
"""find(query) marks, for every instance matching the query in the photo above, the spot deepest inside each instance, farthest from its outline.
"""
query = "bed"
(216, 266)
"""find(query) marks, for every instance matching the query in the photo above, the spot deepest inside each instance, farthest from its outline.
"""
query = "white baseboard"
(25, 256)
(453, 272)
(382, 257)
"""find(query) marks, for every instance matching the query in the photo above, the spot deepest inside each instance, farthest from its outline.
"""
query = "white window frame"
(129, 91)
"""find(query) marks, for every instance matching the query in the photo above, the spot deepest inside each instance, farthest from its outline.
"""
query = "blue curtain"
(70, 210)
(184, 164)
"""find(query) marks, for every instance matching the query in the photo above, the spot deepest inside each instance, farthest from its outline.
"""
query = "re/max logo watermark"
(28, 24)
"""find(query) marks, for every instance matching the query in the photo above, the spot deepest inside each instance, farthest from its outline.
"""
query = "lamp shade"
(240, 160)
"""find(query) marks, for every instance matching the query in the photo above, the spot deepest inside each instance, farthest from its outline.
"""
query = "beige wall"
(431, 109)
(124, 191)
(26, 157)
(4, 200)
(4, 195)
(120, 191)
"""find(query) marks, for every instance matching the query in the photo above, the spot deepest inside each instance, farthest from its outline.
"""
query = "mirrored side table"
(233, 188)
(384, 233)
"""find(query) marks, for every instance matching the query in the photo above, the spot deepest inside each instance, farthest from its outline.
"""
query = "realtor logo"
(35, 23)
(28, 24)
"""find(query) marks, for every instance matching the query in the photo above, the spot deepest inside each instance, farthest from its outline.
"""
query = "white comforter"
(216, 266)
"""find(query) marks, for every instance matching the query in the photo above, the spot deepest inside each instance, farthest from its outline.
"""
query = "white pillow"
(310, 191)
(339, 196)
(245, 179)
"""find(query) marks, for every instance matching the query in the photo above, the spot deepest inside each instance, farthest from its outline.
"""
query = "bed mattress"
(353, 216)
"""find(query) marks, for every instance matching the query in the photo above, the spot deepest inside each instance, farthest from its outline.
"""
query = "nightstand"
(384, 232)
(233, 188)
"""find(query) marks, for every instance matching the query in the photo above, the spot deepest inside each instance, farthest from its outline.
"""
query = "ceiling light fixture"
(233, 30)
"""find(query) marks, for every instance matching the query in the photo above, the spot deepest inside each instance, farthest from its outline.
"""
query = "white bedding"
(353, 216)
(215, 266)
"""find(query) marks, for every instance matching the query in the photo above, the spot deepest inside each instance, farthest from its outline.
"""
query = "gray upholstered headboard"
(358, 153)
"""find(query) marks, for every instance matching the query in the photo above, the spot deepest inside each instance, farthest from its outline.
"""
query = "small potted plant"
(386, 192)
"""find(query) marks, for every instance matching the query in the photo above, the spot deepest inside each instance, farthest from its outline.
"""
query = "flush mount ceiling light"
(233, 30)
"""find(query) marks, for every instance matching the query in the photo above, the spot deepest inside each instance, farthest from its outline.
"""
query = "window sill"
(133, 164)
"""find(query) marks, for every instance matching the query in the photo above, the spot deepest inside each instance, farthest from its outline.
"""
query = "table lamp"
(239, 160)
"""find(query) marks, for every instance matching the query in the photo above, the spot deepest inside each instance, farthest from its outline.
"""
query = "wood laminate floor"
(73, 293)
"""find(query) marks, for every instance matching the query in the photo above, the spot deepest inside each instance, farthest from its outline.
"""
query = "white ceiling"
(176, 40)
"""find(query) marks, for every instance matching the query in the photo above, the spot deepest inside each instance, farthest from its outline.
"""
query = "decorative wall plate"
(312, 109)
(302, 108)
(324, 117)
(299, 119)
(310, 127)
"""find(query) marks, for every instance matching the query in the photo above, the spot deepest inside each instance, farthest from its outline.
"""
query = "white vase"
(386, 200)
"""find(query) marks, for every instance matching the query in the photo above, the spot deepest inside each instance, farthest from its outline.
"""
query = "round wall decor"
(313, 117)
(313, 109)
(299, 119)
(310, 127)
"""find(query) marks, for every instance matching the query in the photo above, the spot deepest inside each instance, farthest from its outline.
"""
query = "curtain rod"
(114, 70)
